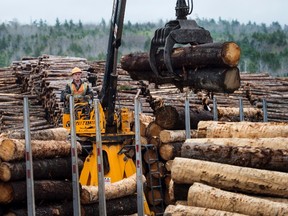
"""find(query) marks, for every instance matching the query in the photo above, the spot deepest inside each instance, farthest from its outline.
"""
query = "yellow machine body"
(117, 165)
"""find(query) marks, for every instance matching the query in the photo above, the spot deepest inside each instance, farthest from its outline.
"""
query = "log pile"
(244, 172)
(51, 168)
(45, 77)
(42, 79)
(11, 104)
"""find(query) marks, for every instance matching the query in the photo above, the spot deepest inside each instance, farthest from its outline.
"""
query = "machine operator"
(78, 88)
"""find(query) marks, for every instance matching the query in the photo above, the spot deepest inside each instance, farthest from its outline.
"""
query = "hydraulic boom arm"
(109, 89)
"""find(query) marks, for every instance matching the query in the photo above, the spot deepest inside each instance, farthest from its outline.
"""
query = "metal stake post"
(241, 113)
(101, 183)
(29, 161)
(140, 201)
(215, 113)
(74, 158)
(187, 117)
(265, 115)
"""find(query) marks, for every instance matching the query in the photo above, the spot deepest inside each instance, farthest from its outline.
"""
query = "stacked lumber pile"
(11, 104)
(52, 186)
(45, 77)
(274, 90)
(51, 161)
(235, 167)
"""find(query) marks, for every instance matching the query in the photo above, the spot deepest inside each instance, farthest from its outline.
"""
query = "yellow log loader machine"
(116, 126)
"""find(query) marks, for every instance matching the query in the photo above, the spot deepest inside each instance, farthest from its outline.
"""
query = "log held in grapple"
(225, 80)
(211, 67)
(225, 54)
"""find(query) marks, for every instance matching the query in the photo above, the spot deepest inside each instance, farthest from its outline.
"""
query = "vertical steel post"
(101, 182)
(264, 108)
(74, 158)
(215, 112)
(140, 200)
(241, 112)
(29, 161)
(187, 117)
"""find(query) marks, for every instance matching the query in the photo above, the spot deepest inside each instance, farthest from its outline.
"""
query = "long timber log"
(199, 211)
(205, 196)
(173, 118)
(120, 206)
(46, 134)
(44, 190)
(212, 54)
(261, 153)
(55, 168)
(14, 149)
(224, 80)
(125, 187)
(214, 129)
(230, 177)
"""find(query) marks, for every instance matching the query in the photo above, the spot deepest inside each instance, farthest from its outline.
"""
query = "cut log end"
(6, 195)
(7, 149)
(5, 173)
(231, 54)
(232, 80)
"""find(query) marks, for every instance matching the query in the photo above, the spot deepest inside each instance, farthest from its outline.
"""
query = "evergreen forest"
(263, 48)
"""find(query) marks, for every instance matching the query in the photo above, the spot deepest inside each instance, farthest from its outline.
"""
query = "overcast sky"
(92, 11)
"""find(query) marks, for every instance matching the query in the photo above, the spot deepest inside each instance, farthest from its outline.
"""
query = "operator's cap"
(76, 70)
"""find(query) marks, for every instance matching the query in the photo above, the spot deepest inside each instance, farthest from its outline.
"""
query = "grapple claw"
(152, 59)
(179, 31)
(169, 44)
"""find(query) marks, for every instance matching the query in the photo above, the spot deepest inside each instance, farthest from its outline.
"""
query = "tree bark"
(14, 149)
(168, 136)
(125, 187)
(214, 129)
(250, 114)
(212, 54)
(229, 177)
(44, 190)
(121, 206)
(173, 118)
(262, 153)
(178, 210)
(223, 80)
(63, 209)
(209, 197)
(47, 134)
(56, 168)
(178, 191)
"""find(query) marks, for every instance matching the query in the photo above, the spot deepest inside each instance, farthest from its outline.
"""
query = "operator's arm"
(89, 92)
(67, 92)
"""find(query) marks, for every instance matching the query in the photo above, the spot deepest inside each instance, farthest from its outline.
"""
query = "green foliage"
(263, 48)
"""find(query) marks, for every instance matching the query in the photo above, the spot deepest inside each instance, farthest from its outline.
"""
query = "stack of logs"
(51, 168)
(247, 157)
(242, 172)
(45, 77)
(11, 104)
(42, 79)
(52, 174)
(248, 144)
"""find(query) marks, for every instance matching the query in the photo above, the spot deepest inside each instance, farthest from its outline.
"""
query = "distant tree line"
(263, 48)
